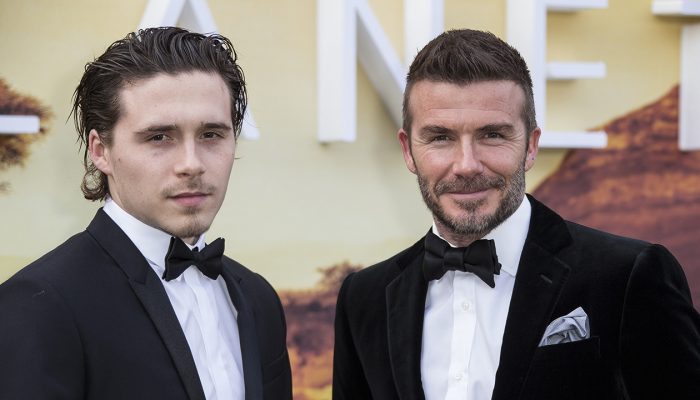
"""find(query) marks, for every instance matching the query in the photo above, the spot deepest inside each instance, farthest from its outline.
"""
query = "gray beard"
(471, 225)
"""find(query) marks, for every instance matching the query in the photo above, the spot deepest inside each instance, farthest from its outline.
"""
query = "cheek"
(222, 163)
(137, 177)
(504, 164)
(432, 163)
(128, 170)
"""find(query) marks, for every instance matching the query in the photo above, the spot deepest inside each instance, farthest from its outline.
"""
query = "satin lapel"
(252, 369)
(405, 302)
(149, 289)
(540, 278)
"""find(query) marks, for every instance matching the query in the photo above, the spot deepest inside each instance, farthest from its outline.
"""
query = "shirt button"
(466, 305)
(458, 376)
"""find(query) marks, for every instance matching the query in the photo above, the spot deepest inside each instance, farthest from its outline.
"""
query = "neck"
(190, 240)
(455, 239)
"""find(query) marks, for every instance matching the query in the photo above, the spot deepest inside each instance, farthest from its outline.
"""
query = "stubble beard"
(194, 226)
(468, 224)
(195, 222)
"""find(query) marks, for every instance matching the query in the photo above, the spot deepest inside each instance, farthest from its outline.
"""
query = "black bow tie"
(180, 257)
(478, 258)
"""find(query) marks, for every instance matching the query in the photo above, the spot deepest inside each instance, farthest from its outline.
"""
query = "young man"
(502, 299)
(138, 306)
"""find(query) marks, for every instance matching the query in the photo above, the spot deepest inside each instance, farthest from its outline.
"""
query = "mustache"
(193, 185)
(473, 184)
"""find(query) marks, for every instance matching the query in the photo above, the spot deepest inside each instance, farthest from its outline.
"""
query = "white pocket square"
(572, 327)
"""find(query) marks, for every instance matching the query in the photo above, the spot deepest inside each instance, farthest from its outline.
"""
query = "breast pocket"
(569, 371)
(581, 352)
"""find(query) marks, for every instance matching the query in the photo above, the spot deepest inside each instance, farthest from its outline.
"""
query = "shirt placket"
(464, 329)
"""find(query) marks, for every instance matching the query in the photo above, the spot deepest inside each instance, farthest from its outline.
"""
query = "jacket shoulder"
(63, 262)
(593, 236)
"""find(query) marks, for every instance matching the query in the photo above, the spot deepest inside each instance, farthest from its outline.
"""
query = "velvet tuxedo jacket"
(91, 320)
(645, 333)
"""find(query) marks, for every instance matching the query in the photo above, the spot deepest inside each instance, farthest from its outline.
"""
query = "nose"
(189, 160)
(466, 160)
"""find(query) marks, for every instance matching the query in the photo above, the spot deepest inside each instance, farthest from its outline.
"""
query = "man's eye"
(157, 138)
(210, 135)
(493, 135)
(439, 138)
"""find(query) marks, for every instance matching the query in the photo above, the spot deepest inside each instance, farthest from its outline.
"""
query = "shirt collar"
(509, 237)
(151, 242)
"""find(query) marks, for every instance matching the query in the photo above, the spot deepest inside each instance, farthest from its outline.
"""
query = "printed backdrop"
(304, 214)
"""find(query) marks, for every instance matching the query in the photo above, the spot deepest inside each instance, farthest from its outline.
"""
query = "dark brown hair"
(142, 55)
(467, 56)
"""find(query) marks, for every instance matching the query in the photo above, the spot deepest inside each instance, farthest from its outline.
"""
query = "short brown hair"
(468, 56)
(142, 55)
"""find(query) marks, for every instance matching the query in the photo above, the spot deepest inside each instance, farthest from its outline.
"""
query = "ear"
(532, 148)
(99, 153)
(406, 149)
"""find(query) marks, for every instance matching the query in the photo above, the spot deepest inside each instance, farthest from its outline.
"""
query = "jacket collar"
(540, 278)
(150, 291)
(405, 302)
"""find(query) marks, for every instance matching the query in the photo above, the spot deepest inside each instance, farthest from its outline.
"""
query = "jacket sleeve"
(660, 330)
(40, 346)
(349, 382)
(277, 375)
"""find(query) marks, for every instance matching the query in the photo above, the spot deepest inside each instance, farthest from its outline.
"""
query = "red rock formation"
(640, 186)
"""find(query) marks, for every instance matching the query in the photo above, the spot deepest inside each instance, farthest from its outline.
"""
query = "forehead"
(486, 100)
(177, 96)
(164, 84)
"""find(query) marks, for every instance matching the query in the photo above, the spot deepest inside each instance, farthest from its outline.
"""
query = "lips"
(458, 189)
(190, 199)
(467, 195)
(468, 191)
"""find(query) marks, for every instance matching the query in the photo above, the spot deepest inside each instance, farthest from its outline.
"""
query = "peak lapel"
(405, 302)
(540, 278)
(535, 294)
(252, 369)
(149, 289)
(156, 302)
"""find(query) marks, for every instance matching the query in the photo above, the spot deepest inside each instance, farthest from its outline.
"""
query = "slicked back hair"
(142, 55)
(468, 56)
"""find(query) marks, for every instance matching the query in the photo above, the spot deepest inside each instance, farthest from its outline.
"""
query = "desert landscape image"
(640, 186)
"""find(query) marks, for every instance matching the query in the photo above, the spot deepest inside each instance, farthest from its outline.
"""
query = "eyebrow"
(216, 125)
(172, 127)
(436, 129)
(157, 128)
(505, 128)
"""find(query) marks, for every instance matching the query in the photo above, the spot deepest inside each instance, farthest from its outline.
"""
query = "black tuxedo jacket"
(645, 333)
(91, 320)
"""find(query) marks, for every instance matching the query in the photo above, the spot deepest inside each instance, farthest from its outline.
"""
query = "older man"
(503, 299)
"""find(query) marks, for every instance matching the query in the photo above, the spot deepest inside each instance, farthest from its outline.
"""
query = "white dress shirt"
(465, 320)
(202, 306)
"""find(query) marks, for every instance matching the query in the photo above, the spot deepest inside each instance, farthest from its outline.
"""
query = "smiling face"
(172, 151)
(469, 148)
